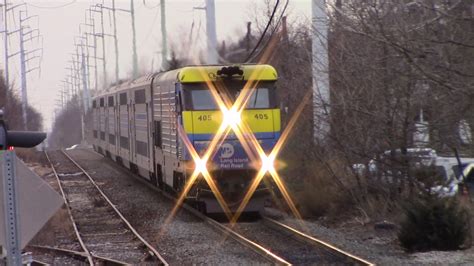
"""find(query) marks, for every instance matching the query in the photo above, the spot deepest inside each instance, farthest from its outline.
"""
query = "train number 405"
(205, 118)
(261, 116)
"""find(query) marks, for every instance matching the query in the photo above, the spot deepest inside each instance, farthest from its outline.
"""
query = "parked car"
(451, 176)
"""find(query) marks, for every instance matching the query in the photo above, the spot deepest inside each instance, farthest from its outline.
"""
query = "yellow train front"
(200, 117)
(137, 124)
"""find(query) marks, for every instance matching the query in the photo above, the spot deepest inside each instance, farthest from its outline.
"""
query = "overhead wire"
(150, 29)
(151, 7)
(53, 7)
(264, 31)
(273, 31)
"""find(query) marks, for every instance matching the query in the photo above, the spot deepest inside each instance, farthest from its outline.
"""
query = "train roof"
(198, 73)
(210, 73)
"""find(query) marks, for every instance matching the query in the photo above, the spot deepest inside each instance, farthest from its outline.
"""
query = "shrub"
(433, 223)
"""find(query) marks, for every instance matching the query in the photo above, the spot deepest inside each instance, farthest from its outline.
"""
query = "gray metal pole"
(88, 76)
(134, 41)
(10, 201)
(211, 32)
(7, 79)
(164, 41)
(62, 98)
(320, 73)
(104, 57)
(85, 83)
(24, 96)
(95, 54)
(116, 43)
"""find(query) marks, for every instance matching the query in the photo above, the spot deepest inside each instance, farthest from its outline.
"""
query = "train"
(137, 124)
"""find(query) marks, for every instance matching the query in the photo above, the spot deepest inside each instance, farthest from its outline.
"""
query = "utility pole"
(102, 36)
(134, 41)
(132, 13)
(81, 72)
(67, 89)
(95, 53)
(211, 32)
(85, 83)
(24, 96)
(87, 34)
(104, 57)
(115, 43)
(164, 41)
(23, 70)
(5, 39)
(23, 57)
(7, 33)
(320, 71)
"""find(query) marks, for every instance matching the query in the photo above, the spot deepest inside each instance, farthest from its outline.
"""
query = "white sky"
(58, 27)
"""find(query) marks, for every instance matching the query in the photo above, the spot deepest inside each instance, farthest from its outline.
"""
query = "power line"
(151, 7)
(53, 7)
(264, 31)
(273, 31)
(152, 26)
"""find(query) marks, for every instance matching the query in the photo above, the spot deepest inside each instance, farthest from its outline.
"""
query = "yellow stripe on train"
(207, 122)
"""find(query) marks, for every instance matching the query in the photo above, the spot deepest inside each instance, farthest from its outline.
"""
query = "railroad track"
(314, 251)
(102, 231)
(330, 250)
(293, 246)
(61, 256)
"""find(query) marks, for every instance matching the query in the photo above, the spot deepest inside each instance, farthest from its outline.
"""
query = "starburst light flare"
(267, 165)
(232, 119)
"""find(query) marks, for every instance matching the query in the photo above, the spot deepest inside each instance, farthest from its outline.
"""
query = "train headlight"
(200, 165)
(267, 163)
(232, 117)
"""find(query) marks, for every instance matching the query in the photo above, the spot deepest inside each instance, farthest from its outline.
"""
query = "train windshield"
(198, 96)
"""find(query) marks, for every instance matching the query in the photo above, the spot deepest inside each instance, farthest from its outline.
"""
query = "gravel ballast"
(377, 246)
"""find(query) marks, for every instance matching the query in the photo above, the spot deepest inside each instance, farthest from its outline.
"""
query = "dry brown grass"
(59, 226)
(31, 155)
(317, 193)
(331, 190)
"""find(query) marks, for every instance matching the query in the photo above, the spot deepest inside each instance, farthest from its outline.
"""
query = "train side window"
(124, 143)
(111, 101)
(123, 98)
(158, 134)
(101, 102)
(94, 104)
(140, 96)
(179, 105)
(141, 148)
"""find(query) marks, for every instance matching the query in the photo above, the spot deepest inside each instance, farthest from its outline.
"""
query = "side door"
(157, 132)
(131, 128)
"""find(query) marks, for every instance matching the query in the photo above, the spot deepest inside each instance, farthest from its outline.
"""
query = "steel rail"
(253, 246)
(150, 247)
(259, 249)
(352, 259)
(79, 254)
(68, 207)
(35, 262)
